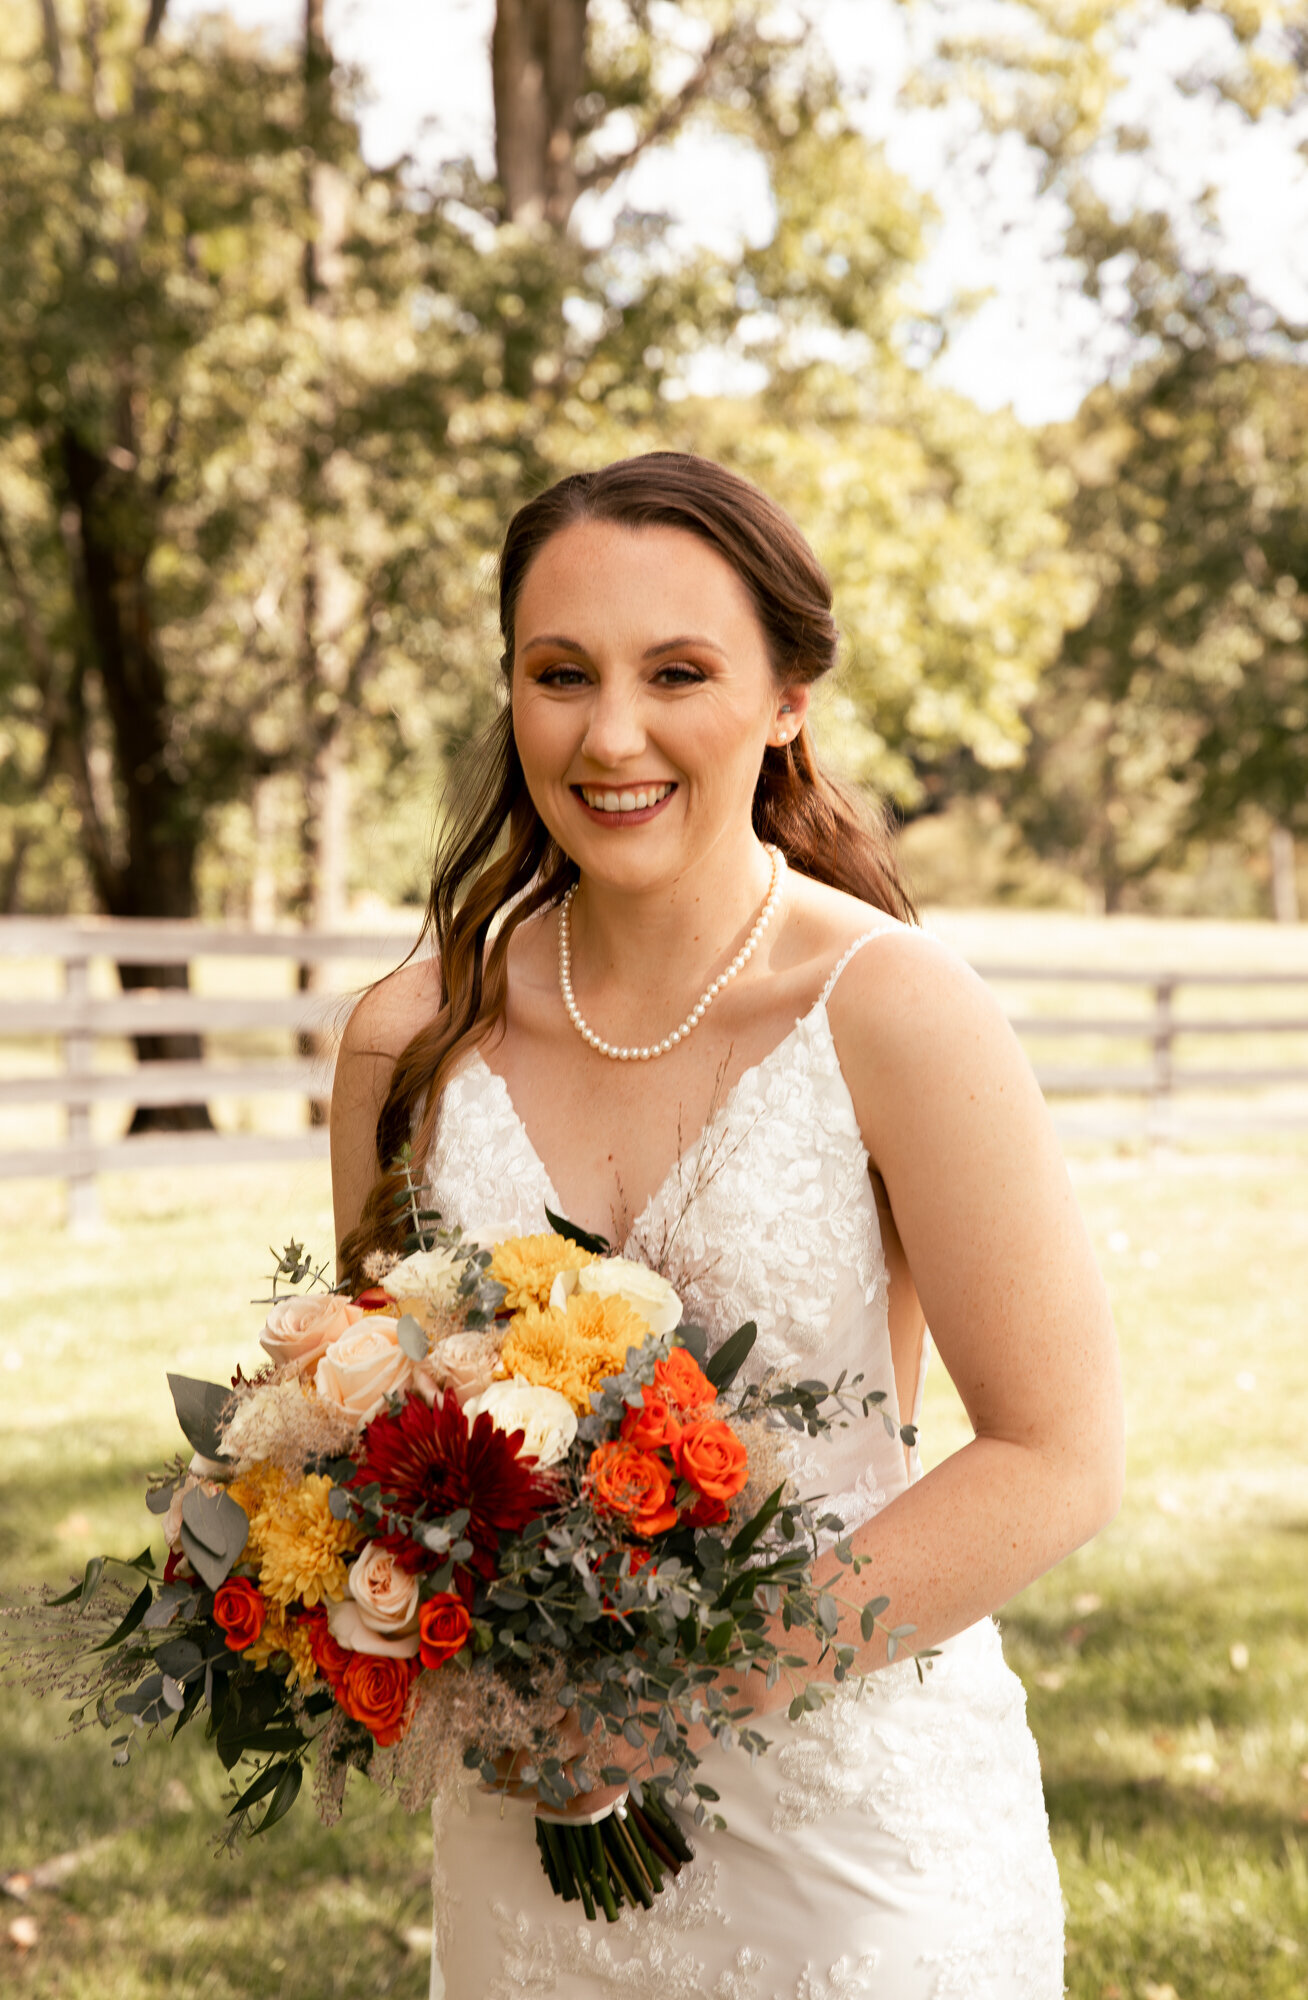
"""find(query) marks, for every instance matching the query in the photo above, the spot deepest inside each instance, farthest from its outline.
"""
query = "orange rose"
(240, 1610)
(631, 1483)
(653, 1426)
(374, 1689)
(443, 1627)
(329, 1656)
(713, 1459)
(705, 1514)
(682, 1381)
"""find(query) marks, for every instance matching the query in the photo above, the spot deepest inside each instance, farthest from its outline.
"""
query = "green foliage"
(307, 395)
(1178, 712)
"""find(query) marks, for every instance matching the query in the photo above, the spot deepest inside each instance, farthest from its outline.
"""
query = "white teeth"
(625, 802)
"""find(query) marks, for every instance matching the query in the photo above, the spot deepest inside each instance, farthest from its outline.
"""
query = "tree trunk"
(538, 56)
(156, 877)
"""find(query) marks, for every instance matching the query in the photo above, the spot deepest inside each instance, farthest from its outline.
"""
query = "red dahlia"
(428, 1463)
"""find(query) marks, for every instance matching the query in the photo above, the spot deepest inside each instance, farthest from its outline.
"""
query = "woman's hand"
(581, 1756)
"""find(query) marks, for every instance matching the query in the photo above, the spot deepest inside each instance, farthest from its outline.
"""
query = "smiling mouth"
(636, 799)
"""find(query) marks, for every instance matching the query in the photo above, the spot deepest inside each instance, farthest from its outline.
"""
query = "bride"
(681, 999)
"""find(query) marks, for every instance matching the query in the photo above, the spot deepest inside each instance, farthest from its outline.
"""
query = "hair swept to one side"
(495, 856)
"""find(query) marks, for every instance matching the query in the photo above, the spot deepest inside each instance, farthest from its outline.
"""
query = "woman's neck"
(665, 943)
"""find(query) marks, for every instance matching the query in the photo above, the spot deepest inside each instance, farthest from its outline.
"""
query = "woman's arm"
(381, 1026)
(953, 1120)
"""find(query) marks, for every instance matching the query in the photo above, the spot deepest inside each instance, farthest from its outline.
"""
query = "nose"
(615, 731)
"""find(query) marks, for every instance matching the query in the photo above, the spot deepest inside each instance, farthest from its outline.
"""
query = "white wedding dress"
(895, 1843)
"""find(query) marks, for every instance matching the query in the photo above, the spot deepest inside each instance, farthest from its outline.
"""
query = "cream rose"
(386, 1594)
(463, 1362)
(365, 1366)
(430, 1275)
(618, 1277)
(299, 1329)
(546, 1418)
(351, 1629)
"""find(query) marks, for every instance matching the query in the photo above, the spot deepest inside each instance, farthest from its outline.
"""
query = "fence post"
(79, 1047)
(1164, 1032)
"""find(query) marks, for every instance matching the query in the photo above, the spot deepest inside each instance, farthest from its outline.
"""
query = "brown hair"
(495, 849)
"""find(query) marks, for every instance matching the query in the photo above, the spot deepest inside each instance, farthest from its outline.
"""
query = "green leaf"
(214, 1532)
(85, 1590)
(288, 1791)
(135, 1612)
(724, 1366)
(200, 1407)
(757, 1525)
(585, 1239)
(411, 1338)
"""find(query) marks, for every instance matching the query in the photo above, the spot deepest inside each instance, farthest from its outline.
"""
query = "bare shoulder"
(380, 1028)
(924, 1044)
(390, 1013)
(822, 923)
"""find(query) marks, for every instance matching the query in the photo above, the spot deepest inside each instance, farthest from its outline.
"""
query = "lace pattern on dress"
(771, 1216)
(662, 1952)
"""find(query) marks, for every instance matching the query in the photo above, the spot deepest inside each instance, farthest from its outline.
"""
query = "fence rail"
(80, 1018)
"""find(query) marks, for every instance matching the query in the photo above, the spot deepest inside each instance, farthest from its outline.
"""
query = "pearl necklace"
(707, 997)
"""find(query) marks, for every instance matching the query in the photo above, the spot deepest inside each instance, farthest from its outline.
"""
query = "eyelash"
(689, 676)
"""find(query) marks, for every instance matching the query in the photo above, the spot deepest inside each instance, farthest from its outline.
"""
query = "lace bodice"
(769, 1216)
(895, 1842)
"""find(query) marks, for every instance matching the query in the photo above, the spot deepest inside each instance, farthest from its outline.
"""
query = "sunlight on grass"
(1166, 1665)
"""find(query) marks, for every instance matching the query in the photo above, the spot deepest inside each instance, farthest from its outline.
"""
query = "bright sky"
(1036, 343)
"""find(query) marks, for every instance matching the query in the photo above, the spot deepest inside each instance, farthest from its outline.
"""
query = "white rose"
(299, 1329)
(386, 1594)
(351, 1629)
(432, 1275)
(464, 1362)
(365, 1366)
(618, 1277)
(547, 1418)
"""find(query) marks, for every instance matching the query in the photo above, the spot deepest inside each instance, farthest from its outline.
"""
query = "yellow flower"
(257, 1493)
(304, 1545)
(574, 1350)
(285, 1635)
(528, 1265)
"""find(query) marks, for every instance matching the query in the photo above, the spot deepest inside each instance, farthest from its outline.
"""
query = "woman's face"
(643, 700)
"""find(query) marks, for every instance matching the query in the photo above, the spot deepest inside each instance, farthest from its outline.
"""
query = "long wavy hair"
(495, 856)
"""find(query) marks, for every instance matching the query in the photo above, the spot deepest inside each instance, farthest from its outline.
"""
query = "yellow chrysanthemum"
(285, 1635)
(257, 1492)
(573, 1350)
(528, 1265)
(304, 1545)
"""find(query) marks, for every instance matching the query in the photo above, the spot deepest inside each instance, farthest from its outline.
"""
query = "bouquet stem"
(621, 1858)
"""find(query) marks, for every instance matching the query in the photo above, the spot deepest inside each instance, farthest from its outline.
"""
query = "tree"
(1178, 709)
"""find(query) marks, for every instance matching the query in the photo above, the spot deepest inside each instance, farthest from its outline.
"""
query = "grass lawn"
(1167, 1665)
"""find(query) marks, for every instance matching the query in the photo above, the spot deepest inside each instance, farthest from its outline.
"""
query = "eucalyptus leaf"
(214, 1532)
(411, 1338)
(200, 1408)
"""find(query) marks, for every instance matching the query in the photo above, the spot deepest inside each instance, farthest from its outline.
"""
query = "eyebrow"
(651, 652)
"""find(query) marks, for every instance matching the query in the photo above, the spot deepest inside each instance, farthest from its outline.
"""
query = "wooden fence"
(79, 1018)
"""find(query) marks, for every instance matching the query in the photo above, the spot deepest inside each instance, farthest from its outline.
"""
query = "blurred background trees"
(265, 407)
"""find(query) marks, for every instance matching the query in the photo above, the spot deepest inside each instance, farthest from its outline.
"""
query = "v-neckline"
(692, 1152)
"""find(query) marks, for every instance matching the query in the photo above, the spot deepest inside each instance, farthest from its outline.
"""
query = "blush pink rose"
(301, 1329)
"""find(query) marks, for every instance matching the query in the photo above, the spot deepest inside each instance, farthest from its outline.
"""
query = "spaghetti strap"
(886, 926)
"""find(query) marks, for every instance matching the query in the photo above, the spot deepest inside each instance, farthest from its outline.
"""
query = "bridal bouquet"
(504, 1481)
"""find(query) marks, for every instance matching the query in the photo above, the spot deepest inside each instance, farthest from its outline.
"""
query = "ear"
(789, 713)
